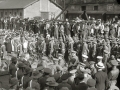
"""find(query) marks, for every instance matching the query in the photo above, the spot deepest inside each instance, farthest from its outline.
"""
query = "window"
(96, 8)
(83, 8)
(20, 13)
(5, 13)
(15, 13)
(1, 14)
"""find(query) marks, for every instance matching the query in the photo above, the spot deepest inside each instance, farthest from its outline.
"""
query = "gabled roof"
(55, 3)
(16, 4)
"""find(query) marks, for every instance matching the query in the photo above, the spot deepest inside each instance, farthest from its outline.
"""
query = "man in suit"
(101, 77)
(113, 74)
(12, 67)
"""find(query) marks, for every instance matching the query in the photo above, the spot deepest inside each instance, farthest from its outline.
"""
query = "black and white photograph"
(59, 44)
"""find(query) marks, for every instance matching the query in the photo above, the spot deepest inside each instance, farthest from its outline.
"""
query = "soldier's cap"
(47, 70)
(91, 62)
(118, 59)
(52, 82)
(60, 55)
(99, 57)
(73, 51)
(36, 74)
(82, 64)
(13, 82)
(66, 76)
(91, 82)
(55, 59)
(105, 51)
(114, 62)
(85, 56)
(40, 68)
(73, 71)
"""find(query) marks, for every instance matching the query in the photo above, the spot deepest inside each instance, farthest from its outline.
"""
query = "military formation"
(60, 55)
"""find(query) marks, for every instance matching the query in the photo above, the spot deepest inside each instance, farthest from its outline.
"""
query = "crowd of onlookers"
(60, 55)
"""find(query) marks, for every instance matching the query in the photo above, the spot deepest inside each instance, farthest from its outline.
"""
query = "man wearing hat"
(34, 82)
(91, 84)
(12, 66)
(51, 84)
(64, 82)
(85, 60)
(46, 75)
(20, 71)
(92, 68)
(113, 74)
(73, 62)
(101, 77)
(79, 81)
(26, 78)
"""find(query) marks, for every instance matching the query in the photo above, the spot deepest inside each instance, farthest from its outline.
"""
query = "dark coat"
(12, 69)
(101, 80)
(81, 86)
(64, 84)
(42, 82)
(26, 80)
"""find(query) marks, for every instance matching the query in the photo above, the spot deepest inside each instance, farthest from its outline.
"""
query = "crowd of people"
(61, 55)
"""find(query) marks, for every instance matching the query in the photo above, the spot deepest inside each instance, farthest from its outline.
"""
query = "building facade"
(94, 8)
(29, 9)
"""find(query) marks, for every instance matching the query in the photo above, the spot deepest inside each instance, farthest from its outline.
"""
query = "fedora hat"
(47, 70)
(114, 62)
(91, 82)
(51, 82)
(36, 74)
(100, 65)
(50, 79)
(39, 68)
(66, 76)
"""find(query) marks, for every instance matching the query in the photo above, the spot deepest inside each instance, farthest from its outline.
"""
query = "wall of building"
(110, 9)
(54, 11)
(32, 10)
(11, 12)
(48, 10)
